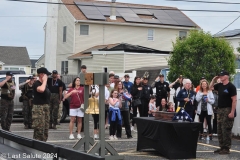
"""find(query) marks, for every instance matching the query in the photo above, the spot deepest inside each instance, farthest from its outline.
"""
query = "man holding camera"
(7, 95)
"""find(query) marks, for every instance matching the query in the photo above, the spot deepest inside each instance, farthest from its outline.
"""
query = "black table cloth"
(174, 140)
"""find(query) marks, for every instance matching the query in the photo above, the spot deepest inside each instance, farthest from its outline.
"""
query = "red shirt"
(76, 98)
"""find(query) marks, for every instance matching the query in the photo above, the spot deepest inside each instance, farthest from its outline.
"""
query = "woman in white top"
(205, 100)
(114, 113)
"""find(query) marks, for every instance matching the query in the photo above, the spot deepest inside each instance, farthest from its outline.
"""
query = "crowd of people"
(42, 100)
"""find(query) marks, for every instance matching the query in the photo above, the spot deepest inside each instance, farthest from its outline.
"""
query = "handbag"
(137, 102)
(81, 105)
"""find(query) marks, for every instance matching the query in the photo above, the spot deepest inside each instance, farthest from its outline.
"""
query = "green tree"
(200, 55)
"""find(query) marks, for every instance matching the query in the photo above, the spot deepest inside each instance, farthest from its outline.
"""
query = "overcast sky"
(21, 24)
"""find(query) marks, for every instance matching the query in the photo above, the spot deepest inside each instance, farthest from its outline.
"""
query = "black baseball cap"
(161, 75)
(126, 75)
(9, 73)
(223, 73)
(30, 77)
(43, 70)
(83, 67)
(54, 72)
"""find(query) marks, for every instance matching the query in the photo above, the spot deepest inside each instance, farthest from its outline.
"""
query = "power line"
(204, 2)
(227, 25)
(189, 10)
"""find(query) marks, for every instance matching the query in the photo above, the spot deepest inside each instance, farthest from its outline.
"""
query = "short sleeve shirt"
(225, 92)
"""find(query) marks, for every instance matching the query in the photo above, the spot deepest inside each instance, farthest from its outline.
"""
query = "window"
(150, 34)
(13, 68)
(182, 34)
(22, 79)
(64, 67)
(84, 29)
(65, 34)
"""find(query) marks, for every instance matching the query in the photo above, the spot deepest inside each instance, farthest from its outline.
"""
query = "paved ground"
(127, 147)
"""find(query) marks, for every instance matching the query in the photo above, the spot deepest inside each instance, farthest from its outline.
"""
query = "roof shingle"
(14, 55)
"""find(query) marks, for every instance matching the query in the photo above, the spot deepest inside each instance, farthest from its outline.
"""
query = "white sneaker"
(115, 137)
(71, 136)
(79, 136)
(132, 128)
(111, 138)
(95, 136)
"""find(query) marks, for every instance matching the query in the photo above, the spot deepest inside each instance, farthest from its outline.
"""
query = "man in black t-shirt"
(227, 100)
(162, 89)
(7, 104)
(55, 86)
(40, 110)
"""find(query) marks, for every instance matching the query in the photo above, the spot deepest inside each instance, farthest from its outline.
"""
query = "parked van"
(18, 78)
(18, 106)
(3, 72)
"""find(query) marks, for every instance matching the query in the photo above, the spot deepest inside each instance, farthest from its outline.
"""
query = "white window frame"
(105, 67)
(150, 37)
(64, 33)
(82, 31)
(181, 36)
(64, 68)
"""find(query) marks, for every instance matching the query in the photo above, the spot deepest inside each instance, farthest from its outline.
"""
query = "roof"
(14, 55)
(117, 47)
(230, 33)
(33, 61)
(128, 13)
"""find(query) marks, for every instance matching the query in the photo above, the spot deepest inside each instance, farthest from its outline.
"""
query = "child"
(152, 107)
(170, 107)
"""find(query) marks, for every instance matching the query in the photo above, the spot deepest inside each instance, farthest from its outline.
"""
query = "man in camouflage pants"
(40, 110)
(227, 100)
(7, 96)
(55, 86)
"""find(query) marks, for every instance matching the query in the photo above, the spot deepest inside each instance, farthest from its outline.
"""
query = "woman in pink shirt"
(77, 98)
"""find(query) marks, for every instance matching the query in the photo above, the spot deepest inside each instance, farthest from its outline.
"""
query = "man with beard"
(147, 92)
(27, 93)
(7, 104)
(55, 86)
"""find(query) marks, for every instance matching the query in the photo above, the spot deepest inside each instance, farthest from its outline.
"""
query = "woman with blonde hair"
(205, 100)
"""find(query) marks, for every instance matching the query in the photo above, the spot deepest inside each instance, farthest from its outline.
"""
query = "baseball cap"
(30, 77)
(145, 78)
(126, 75)
(161, 75)
(223, 73)
(43, 70)
(116, 76)
(54, 72)
(9, 73)
(83, 67)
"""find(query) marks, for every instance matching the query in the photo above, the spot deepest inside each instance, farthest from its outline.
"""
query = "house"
(15, 58)
(233, 37)
(40, 62)
(33, 67)
(120, 57)
(82, 25)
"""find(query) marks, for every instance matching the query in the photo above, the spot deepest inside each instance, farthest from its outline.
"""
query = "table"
(174, 140)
